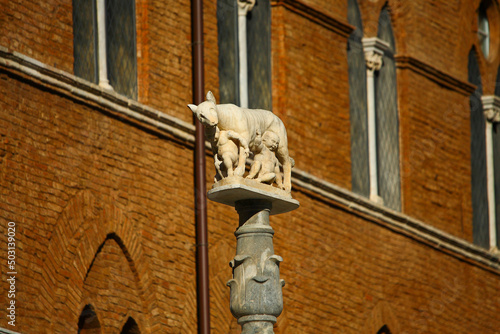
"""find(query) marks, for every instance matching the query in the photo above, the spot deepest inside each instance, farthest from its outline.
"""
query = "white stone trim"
(101, 41)
(374, 45)
(412, 228)
(7, 331)
(88, 91)
(244, 6)
(396, 221)
(490, 185)
(374, 49)
(491, 107)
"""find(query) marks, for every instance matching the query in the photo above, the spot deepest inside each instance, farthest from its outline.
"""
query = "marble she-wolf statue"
(246, 123)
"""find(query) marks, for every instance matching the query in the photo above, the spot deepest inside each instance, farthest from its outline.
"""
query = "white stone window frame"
(491, 107)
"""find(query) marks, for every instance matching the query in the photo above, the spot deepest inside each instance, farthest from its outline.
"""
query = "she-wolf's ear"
(193, 107)
(211, 97)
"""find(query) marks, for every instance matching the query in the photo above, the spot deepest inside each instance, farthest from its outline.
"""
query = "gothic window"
(357, 103)
(130, 327)
(88, 323)
(104, 45)
(387, 119)
(480, 219)
(258, 55)
(384, 330)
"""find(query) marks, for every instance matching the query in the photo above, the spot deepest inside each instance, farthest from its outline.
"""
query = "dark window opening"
(130, 327)
(120, 46)
(384, 330)
(357, 103)
(387, 119)
(480, 218)
(85, 40)
(88, 323)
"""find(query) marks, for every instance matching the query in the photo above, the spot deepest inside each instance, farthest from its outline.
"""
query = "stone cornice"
(396, 221)
(340, 27)
(83, 90)
(76, 88)
(431, 73)
(6, 331)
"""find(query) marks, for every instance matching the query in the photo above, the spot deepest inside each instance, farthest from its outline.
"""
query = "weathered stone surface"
(234, 132)
(256, 299)
(232, 189)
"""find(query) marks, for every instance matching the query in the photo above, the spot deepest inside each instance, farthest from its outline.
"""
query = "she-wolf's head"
(206, 112)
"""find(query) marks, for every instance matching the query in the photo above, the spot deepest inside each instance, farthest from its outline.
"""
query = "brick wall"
(72, 176)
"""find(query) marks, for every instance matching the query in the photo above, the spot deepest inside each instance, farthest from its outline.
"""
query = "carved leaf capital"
(244, 6)
(491, 106)
(492, 115)
(373, 60)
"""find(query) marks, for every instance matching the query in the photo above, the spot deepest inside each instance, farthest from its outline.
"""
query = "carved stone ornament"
(238, 133)
(373, 61)
(491, 106)
(492, 115)
(244, 6)
(374, 49)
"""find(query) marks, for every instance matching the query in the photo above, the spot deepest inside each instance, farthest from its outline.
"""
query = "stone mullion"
(374, 50)
(491, 107)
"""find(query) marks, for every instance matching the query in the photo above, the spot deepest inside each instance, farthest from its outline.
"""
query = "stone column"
(256, 296)
(244, 7)
(374, 51)
(491, 107)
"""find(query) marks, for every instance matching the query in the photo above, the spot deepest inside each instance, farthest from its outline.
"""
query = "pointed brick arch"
(382, 320)
(84, 225)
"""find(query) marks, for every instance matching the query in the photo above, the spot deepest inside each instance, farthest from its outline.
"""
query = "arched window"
(357, 103)
(130, 327)
(258, 54)
(104, 44)
(483, 29)
(480, 219)
(384, 330)
(387, 119)
(88, 323)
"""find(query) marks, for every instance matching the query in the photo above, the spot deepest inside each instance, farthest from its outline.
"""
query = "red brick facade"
(102, 189)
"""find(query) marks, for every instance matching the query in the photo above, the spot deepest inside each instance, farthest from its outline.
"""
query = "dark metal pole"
(200, 182)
